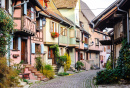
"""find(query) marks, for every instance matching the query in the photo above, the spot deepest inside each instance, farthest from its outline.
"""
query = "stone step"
(39, 75)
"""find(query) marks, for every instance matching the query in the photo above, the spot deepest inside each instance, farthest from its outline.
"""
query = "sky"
(97, 6)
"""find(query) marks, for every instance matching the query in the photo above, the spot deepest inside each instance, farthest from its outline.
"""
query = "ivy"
(6, 27)
(59, 59)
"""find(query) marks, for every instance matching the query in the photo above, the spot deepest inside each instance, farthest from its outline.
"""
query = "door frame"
(26, 53)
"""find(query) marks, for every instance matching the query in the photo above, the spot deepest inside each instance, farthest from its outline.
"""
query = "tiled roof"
(86, 11)
(65, 3)
(54, 12)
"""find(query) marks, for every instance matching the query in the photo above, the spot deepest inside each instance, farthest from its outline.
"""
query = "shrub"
(8, 75)
(107, 77)
(108, 65)
(19, 67)
(61, 60)
(63, 74)
(79, 64)
(38, 63)
(48, 71)
(25, 80)
(68, 62)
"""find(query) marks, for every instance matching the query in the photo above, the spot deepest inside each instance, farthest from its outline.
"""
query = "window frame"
(96, 41)
(37, 48)
(15, 43)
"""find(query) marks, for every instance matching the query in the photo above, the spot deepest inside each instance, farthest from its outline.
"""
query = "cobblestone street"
(78, 80)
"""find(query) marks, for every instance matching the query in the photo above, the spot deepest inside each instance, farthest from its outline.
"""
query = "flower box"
(15, 55)
(54, 34)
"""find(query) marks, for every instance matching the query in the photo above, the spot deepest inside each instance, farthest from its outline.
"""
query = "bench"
(25, 74)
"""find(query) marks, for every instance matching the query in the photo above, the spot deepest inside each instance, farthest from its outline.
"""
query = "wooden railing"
(29, 26)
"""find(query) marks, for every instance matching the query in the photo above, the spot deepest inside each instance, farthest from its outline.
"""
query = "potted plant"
(54, 34)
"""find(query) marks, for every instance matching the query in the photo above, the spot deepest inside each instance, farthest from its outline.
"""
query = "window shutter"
(56, 27)
(11, 44)
(40, 23)
(19, 43)
(42, 48)
(51, 26)
(25, 9)
(32, 13)
(33, 47)
(3, 3)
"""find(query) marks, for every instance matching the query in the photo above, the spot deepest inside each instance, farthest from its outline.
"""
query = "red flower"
(54, 34)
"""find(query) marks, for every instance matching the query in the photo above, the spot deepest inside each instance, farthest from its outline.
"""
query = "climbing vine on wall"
(6, 27)
(59, 59)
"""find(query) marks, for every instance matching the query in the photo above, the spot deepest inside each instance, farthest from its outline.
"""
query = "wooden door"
(51, 55)
(81, 56)
(23, 50)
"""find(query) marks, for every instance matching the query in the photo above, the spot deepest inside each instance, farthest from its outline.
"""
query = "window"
(104, 49)
(31, 12)
(50, 53)
(77, 33)
(56, 27)
(96, 41)
(63, 31)
(81, 56)
(53, 26)
(108, 47)
(15, 43)
(37, 48)
(86, 40)
(96, 55)
(90, 55)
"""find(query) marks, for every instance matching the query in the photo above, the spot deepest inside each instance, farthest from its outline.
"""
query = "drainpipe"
(127, 22)
(18, 5)
(30, 50)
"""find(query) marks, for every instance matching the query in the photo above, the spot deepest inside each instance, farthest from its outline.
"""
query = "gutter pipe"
(127, 23)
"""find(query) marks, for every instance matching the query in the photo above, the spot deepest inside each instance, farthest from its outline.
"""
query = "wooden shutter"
(42, 48)
(33, 47)
(11, 44)
(3, 3)
(25, 9)
(19, 43)
(86, 40)
(7, 5)
(56, 27)
(51, 30)
(32, 13)
(104, 49)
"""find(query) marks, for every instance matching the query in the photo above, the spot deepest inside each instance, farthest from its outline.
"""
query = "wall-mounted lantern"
(92, 43)
(44, 21)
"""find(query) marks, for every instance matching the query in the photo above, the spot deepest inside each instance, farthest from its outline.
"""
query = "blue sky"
(97, 6)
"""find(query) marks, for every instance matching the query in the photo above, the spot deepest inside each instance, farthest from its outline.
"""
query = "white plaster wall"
(46, 60)
(118, 47)
(77, 13)
(47, 33)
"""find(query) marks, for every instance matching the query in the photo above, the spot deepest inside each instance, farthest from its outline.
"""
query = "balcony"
(29, 26)
(85, 46)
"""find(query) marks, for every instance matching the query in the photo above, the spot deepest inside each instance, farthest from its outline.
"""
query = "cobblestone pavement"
(78, 80)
